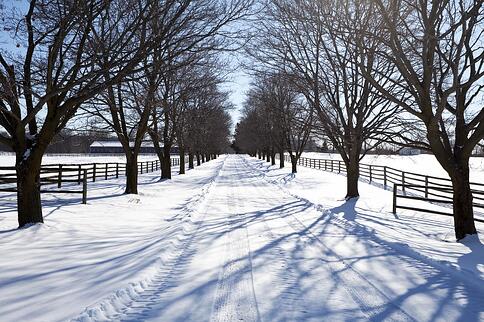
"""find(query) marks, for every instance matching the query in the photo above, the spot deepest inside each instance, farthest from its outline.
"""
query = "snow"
(117, 144)
(236, 239)
(8, 159)
(425, 164)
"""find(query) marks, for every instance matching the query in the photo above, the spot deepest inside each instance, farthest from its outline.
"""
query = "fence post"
(59, 177)
(79, 174)
(385, 176)
(84, 187)
(339, 166)
(371, 174)
(117, 170)
(319, 164)
(141, 167)
(332, 165)
(106, 172)
(395, 198)
(426, 186)
(403, 181)
(325, 165)
(152, 166)
(147, 168)
(94, 173)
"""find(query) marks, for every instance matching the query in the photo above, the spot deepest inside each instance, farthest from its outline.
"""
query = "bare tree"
(53, 72)
(308, 41)
(209, 30)
(284, 116)
(437, 48)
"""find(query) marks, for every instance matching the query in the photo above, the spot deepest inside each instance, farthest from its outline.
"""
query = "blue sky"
(238, 84)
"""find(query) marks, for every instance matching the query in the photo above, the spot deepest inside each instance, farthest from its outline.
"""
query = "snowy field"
(424, 163)
(237, 240)
(8, 159)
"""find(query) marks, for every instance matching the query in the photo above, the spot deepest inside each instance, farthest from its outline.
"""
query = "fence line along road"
(406, 185)
(79, 173)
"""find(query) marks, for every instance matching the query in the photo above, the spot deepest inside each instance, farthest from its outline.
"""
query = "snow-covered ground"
(425, 164)
(237, 240)
(8, 159)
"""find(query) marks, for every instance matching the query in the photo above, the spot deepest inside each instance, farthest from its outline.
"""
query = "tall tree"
(53, 72)
(307, 40)
(437, 48)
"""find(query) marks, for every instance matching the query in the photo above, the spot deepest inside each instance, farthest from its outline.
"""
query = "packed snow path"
(255, 253)
(236, 240)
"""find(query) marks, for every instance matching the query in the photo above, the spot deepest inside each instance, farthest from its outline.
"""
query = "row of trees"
(372, 71)
(142, 66)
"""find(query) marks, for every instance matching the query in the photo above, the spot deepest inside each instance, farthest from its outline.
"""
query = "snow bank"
(105, 252)
(422, 163)
(428, 236)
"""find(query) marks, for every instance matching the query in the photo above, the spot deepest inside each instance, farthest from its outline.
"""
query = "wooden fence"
(80, 174)
(406, 185)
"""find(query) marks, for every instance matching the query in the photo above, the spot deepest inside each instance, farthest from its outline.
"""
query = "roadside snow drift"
(233, 240)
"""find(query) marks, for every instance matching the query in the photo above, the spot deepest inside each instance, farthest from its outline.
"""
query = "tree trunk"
(259, 154)
(293, 164)
(132, 176)
(166, 167)
(182, 161)
(203, 158)
(462, 197)
(352, 176)
(198, 159)
(190, 160)
(28, 193)
(207, 157)
(273, 158)
(268, 157)
(281, 159)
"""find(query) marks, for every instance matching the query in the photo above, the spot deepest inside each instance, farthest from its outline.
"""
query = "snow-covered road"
(248, 248)
(255, 255)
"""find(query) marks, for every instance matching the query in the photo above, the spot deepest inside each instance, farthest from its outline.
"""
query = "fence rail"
(80, 174)
(411, 185)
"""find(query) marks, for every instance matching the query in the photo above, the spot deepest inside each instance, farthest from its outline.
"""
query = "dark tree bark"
(462, 197)
(28, 193)
(203, 158)
(198, 159)
(352, 176)
(132, 176)
(166, 167)
(190, 160)
(281, 159)
(182, 160)
(273, 157)
(293, 163)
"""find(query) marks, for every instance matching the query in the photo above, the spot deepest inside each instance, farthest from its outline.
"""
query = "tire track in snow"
(291, 305)
(371, 300)
(234, 296)
(135, 302)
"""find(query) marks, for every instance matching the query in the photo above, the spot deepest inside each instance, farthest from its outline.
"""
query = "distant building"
(115, 147)
(409, 151)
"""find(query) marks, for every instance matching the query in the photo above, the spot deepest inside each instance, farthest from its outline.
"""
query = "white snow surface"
(8, 159)
(237, 240)
(425, 164)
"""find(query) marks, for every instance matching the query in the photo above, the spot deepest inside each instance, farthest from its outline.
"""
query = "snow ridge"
(235, 279)
(358, 229)
(117, 305)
